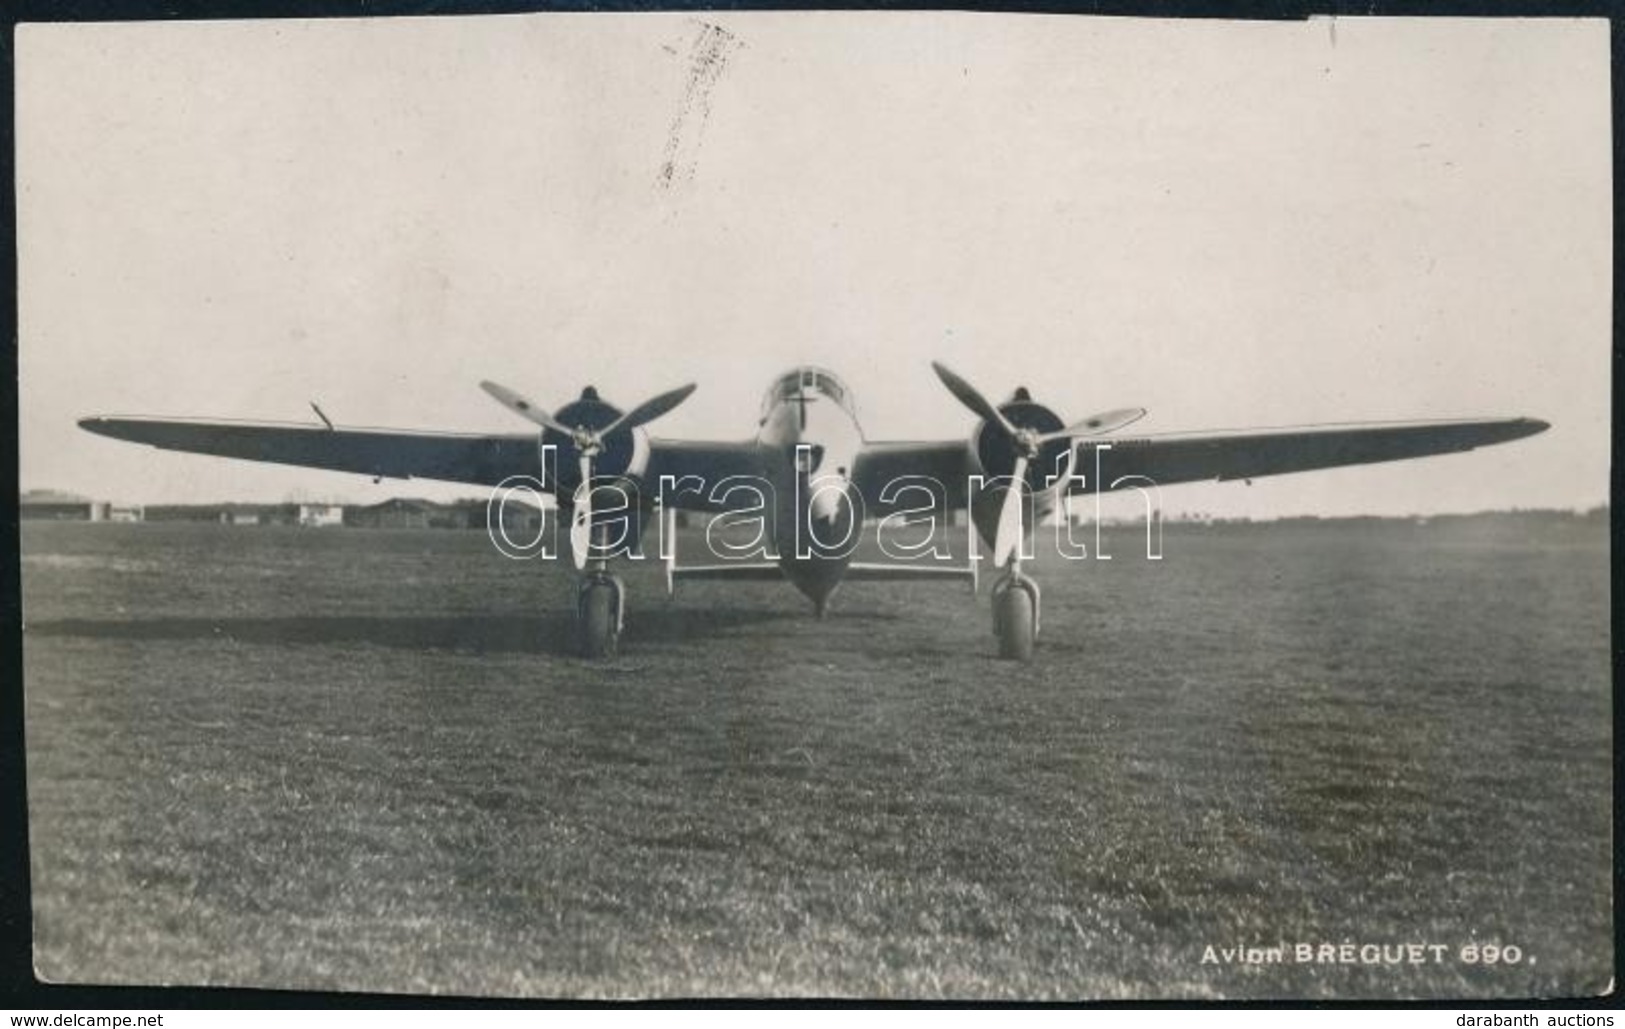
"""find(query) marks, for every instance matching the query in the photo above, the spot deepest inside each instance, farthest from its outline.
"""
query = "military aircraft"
(808, 479)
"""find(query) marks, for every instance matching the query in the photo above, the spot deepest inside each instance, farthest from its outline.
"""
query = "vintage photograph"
(840, 505)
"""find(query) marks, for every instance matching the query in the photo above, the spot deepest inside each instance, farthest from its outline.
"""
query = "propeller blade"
(649, 410)
(968, 396)
(522, 407)
(1008, 538)
(581, 518)
(1097, 425)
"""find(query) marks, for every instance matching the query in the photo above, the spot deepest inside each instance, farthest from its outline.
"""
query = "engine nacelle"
(994, 454)
(625, 453)
(619, 504)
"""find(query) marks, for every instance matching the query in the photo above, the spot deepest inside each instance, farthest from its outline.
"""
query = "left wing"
(390, 453)
(1253, 453)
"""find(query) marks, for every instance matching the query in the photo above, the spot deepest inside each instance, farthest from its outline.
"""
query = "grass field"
(342, 759)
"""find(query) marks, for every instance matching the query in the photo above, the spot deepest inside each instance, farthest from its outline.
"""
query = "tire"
(597, 627)
(1014, 616)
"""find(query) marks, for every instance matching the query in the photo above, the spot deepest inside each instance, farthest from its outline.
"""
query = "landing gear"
(600, 599)
(600, 605)
(1015, 615)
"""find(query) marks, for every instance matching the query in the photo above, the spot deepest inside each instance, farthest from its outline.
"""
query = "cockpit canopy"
(807, 382)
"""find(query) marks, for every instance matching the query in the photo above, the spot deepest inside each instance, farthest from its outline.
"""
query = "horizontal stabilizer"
(857, 571)
(860, 571)
(735, 571)
(740, 571)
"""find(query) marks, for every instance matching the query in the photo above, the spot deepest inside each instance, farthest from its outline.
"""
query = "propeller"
(581, 513)
(972, 399)
(516, 403)
(1027, 443)
(589, 443)
(1097, 424)
(1008, 538)
(649, 410)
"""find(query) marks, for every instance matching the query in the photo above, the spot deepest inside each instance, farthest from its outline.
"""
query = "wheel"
(598, 621)
(1013, 617)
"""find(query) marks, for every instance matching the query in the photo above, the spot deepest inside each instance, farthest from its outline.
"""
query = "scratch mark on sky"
(708, 57)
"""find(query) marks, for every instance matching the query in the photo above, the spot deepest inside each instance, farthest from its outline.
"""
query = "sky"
(1231, 224)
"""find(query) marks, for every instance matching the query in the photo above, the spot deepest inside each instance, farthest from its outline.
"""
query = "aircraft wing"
(487, 460)
(693, 476)
(391, 453)
(400, 454)
(883, 472)
(1253, 453)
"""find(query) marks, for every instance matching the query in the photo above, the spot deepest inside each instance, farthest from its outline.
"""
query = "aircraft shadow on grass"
(551, 633)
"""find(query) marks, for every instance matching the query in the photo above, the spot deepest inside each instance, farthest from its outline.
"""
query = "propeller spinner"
(589, 444)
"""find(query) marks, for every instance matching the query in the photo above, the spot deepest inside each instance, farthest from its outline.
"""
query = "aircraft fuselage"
(809, 439)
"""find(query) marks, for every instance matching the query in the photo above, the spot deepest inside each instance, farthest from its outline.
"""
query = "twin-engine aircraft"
(808, 479)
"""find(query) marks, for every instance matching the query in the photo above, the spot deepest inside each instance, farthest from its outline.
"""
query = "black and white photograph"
(936, 506)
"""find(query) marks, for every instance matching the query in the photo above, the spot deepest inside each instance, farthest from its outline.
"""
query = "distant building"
(224, 514)
(184, 513)
(391, 514)
(51, 505)
(521, 520)
(405, 513)
(321, 515)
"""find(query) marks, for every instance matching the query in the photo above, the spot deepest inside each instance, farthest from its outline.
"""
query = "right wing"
(882, 470)
(390, 453)
(401, 454)
(694, 476)
(1253, 453)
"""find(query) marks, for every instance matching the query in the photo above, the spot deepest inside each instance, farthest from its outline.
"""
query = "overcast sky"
(1231, 224)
